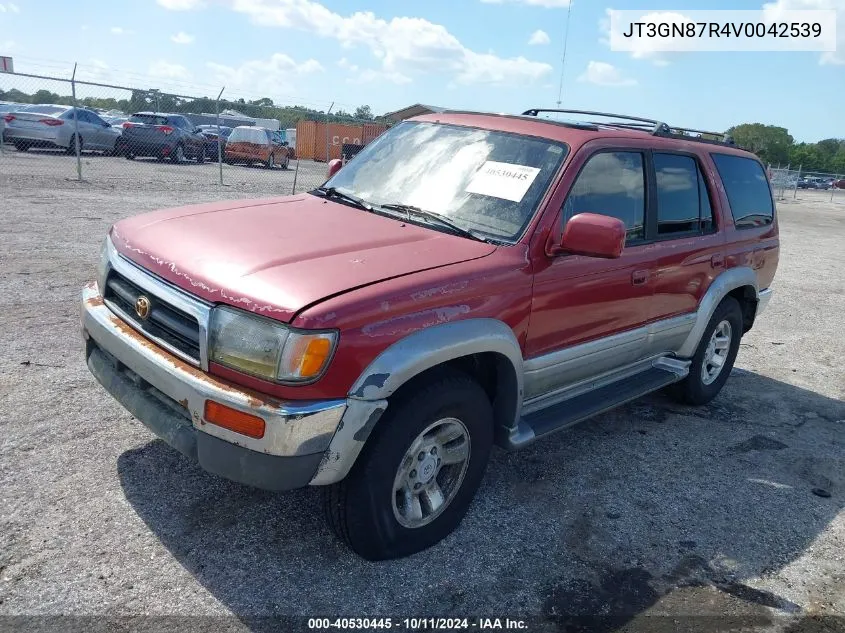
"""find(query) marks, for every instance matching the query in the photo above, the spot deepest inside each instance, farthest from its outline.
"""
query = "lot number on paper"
(503, 180)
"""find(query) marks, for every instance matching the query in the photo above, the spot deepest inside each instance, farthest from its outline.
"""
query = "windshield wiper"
(442, 220)
(331, 192)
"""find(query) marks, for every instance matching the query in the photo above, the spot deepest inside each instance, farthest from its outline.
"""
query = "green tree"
(770, 142)
(364, 112)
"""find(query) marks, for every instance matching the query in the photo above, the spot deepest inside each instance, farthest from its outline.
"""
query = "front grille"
(165, 323)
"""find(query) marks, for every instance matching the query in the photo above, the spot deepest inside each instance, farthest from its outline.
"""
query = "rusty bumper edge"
(293, 428)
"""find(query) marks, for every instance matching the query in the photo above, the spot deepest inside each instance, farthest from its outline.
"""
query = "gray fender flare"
(723, 284)
(401, 362)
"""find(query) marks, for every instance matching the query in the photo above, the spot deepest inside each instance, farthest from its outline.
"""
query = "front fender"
(407, 358)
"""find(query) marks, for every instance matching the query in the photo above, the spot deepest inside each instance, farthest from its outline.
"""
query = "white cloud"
(9, 7)
(404, 45)
(181, 5)
(604, 74)
(182, 38)
(369, 75)
(116, 30)
(773, 9)
(167, 70)
(267, 76)
(549, 4)
(539, 38)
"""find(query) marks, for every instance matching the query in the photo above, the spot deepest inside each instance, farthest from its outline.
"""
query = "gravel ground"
(653, 514)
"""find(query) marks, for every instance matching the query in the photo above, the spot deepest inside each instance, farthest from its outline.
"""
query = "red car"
(467, 280)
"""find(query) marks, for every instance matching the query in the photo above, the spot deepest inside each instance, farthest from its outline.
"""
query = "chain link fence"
(120, 136)
(797, 184)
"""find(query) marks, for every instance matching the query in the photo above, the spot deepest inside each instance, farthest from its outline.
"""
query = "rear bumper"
(139, 148)
(168, 396)
(34, 136)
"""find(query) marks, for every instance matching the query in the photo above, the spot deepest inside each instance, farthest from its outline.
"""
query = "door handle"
(717, 261)
(639, 277)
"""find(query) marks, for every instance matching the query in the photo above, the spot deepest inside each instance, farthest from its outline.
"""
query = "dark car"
(161, 135)
(212, 139)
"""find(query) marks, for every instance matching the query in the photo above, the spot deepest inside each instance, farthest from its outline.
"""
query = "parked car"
(162, 136)
(250, 144)
(53, 126)
(839, 184)
(467, 280)
(212, 140)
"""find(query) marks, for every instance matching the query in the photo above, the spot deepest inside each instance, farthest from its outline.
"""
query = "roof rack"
(651, 126)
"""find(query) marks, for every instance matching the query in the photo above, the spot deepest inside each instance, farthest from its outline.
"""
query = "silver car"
(54, 126)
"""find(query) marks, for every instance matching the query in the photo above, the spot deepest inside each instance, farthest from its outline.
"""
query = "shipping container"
(313, 138)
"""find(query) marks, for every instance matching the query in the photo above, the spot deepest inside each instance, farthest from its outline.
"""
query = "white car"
(54, 126)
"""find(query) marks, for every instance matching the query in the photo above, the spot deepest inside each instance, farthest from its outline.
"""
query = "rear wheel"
(419, 471)
(714, 357)
(178, 154)
(271, 161)
(71, 148)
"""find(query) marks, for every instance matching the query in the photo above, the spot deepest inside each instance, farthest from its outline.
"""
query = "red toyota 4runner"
(467, 280)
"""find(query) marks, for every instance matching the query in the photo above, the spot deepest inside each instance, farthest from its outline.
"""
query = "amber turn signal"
(234, 420)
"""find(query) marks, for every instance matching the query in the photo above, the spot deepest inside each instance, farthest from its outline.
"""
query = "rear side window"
(611, 183)
(749, 194)
(683, 204)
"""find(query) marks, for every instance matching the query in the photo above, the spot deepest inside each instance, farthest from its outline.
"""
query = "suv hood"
(280, 255)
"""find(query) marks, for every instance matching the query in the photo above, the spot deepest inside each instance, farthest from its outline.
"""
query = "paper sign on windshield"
(503, 180)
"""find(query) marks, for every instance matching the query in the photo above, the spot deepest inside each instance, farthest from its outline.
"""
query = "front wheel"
(416, 477)
(713, 360)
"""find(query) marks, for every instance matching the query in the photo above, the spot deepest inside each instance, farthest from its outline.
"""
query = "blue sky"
(499, 55)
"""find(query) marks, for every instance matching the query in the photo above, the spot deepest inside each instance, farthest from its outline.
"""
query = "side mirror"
(334, 166)
(592, 235)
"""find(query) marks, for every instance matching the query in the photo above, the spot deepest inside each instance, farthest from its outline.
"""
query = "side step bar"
(569, 412)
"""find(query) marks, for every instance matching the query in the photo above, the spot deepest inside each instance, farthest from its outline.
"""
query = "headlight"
(103, 265)
(268, 349)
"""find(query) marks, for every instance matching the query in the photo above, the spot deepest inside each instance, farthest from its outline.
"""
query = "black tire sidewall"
(696, 392)
(373, 529)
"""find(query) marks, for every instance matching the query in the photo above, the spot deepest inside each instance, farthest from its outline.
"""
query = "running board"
(567, 413)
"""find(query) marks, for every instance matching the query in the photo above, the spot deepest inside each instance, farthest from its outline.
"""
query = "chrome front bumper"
(292, 428)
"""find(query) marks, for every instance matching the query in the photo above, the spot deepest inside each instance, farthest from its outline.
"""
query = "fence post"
(219, 144)
(795, 186)
(295, 175)
(327, 131)
(78, 149)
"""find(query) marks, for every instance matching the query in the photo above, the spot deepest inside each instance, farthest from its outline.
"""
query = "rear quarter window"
(747, 188)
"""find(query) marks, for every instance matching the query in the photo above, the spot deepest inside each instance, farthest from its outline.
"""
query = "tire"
(271, 162)
(286, 164)
(71, 146)
(178, 154)
(20, 146)
(364, 511)
(701, 386)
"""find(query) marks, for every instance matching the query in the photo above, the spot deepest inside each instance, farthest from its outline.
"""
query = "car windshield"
(45, 109)
(485, 181)
(149, 119)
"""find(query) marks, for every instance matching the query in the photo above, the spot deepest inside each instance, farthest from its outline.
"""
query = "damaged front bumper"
(308, 442)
